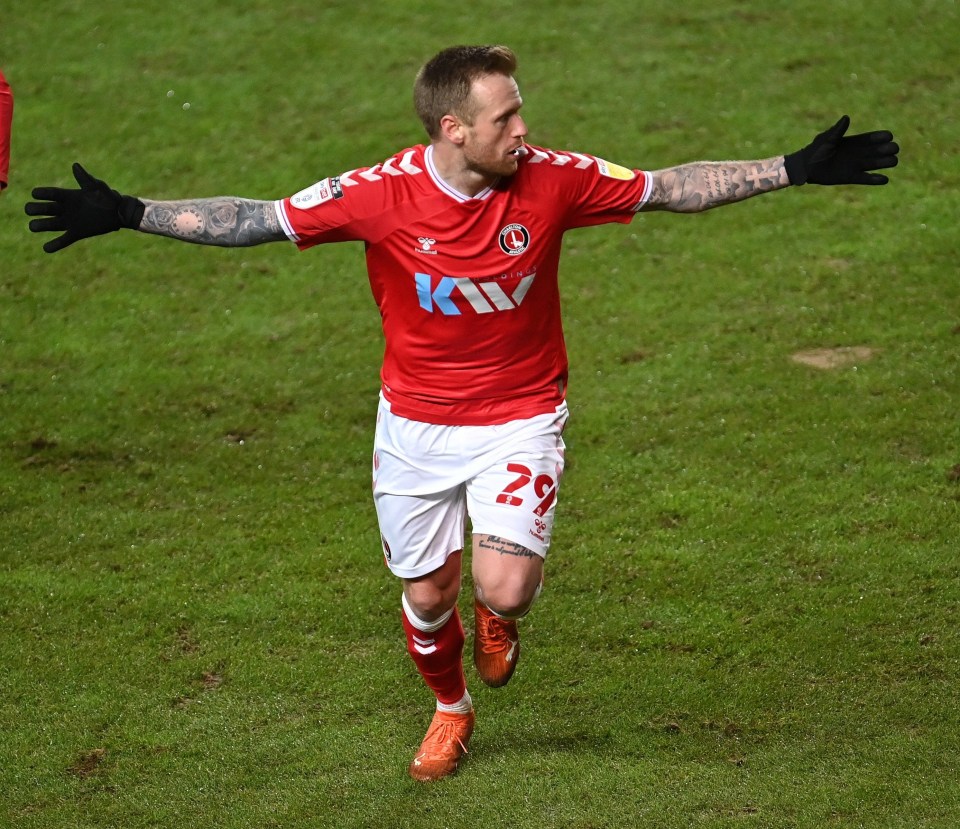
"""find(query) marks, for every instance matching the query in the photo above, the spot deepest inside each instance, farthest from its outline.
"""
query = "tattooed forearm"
(503, 547)
(693, 188)
(224, 221)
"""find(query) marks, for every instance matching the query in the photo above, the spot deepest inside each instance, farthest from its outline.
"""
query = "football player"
(463, 239)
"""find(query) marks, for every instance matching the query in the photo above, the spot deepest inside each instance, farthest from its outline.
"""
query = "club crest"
(514, 239)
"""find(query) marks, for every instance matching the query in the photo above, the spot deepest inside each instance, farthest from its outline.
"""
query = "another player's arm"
(702, 185)
(224, 221)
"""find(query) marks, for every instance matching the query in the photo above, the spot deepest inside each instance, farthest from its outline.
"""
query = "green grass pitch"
(750, 616)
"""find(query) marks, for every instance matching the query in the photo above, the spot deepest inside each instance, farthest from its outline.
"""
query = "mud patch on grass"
(206, 683)
(830, 358)
(88, 763)
(211, 680)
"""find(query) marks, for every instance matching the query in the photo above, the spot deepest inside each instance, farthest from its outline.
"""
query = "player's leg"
(422, 545)
(434, 633)
(423, 540)
(414, 528)
(506, 575)
(507, 579)
(435, 642)
(512, 504)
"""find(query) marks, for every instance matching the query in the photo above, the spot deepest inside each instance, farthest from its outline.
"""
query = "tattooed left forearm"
(702, 185)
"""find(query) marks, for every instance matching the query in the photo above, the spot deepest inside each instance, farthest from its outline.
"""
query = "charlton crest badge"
(514, 239)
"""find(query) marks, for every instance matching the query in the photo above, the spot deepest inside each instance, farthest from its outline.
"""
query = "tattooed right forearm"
(225, 221)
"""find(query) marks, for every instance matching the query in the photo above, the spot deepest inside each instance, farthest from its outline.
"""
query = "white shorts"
(427, 479)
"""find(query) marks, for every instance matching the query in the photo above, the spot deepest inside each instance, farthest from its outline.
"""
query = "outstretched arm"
(95, 209)
(224, 221)
(831, 158)
(693, 188)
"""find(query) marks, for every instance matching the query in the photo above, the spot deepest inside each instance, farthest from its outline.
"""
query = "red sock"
(439, 657)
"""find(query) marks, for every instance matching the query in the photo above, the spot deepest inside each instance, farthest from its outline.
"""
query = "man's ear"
(452, 129)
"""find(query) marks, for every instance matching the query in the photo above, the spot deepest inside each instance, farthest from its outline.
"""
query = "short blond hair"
(444, 83)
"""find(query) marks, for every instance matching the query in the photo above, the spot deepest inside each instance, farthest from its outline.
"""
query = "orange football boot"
(496, 646)
(446, 742)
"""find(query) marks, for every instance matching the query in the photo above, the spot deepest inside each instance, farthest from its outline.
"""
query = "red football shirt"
(467, 287)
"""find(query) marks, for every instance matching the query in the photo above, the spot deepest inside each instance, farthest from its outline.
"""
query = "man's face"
(492, 141)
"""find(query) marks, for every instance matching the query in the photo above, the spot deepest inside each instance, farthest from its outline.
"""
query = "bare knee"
(432, 595)
(507, 584)
(509, 601)
(427, 602)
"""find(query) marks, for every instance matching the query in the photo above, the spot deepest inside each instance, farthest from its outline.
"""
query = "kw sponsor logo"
(483, 296)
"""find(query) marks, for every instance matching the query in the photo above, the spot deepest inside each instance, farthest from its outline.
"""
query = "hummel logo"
(426, 245)
(424, 646)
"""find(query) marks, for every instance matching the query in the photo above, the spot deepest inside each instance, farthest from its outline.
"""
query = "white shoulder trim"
(647, 189)
(285, 221)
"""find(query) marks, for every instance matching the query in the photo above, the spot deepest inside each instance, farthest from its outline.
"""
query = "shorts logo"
(541, 528)
(514, 239)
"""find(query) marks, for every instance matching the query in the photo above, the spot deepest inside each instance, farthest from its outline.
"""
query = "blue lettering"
(441, 296)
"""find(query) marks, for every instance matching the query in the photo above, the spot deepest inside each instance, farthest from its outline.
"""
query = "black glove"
(92, 210)
(832, 159)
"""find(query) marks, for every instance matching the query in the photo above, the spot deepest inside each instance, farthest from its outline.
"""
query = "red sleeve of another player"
(6, 119)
